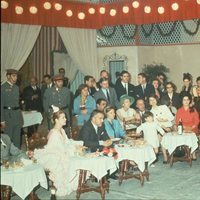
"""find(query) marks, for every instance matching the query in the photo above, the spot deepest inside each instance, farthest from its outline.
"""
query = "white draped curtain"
(72, 68)
(17, 41)
(81, 46)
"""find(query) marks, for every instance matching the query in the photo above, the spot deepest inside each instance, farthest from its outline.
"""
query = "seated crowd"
(105, 111)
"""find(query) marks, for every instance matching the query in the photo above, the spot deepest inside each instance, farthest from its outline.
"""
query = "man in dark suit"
(107, 93)
(33, 101)
(144, 89)
(140, 109)
(93, 131)
(105, 74)
(47, 83)
(124, 87)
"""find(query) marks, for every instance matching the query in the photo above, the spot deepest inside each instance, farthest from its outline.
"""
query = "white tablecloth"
(172, 140)
(139, 155)
(97, 166)
(31, 118)
(23, 180)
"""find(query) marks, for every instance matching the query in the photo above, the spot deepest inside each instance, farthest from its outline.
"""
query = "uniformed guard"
(58, 96)
(11, 116)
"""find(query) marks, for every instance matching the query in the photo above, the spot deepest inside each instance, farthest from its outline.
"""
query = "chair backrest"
(36, 141)
(130, 127)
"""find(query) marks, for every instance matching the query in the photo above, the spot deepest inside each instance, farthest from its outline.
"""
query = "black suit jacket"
(148, 91)
(32, 104)
(120, 90)
(91, 138)
(176, 100)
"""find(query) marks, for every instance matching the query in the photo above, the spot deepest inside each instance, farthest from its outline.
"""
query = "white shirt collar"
(170, 95)
(124, 84)
(95, 127)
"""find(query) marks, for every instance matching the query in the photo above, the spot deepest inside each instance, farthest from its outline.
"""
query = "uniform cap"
(12, 71)
(58, 77)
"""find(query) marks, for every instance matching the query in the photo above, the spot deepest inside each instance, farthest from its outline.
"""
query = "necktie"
(108, 96)
(126, 88)
(143, 88)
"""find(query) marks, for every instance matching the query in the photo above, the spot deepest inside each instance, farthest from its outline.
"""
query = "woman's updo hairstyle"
(187, 76)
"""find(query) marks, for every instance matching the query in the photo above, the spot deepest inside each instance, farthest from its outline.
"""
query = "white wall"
(178, 58)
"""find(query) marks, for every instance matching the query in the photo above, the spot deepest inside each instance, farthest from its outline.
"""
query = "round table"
(23, 180)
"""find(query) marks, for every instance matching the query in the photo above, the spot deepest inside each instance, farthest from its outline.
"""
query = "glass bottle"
(180, 127)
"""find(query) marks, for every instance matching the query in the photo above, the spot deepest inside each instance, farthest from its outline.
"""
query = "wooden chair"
(6, 192)
(38, 141)
(74, 129)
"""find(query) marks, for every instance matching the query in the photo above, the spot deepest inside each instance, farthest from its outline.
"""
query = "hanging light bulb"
(113, 12)
(135, 4)
(47, 5)
(102, 10)
(69, 13)
(125, 9)
(161, 10)
(91, 11)
(81, 15)
(147, 9)
(19, 10)
(4, 4)
(33, 10)
(58, 6)
(175, 6)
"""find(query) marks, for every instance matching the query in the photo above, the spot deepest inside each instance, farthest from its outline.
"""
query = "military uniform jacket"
(57, 97)
(10, 98)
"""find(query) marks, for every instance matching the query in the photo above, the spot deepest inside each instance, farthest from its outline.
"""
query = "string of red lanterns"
(95, 9)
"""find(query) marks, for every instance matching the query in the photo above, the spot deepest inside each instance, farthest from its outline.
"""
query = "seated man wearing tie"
(93, 131)
(108, 93)
(141, 109)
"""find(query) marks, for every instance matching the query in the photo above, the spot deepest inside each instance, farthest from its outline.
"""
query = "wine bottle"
(53, 194)
(180, 127)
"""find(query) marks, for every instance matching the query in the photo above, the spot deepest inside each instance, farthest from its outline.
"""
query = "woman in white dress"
(55, 156)
(162, 114)
(126, 113)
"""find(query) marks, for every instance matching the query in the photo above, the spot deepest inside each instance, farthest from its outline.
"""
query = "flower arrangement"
(110, 152)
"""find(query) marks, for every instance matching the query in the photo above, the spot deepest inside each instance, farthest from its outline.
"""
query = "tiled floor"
(181, 182)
